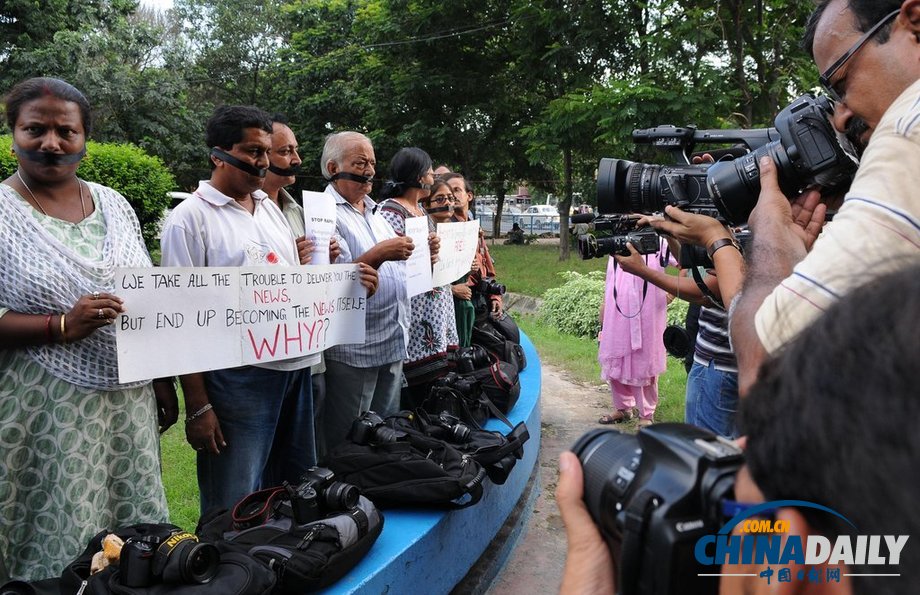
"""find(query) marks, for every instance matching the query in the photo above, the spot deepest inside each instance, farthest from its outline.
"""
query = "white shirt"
(210, 229)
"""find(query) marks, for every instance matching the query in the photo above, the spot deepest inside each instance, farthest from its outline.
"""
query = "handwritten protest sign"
(418, 267)
(319, 221)
(184, 320)
(458, 246)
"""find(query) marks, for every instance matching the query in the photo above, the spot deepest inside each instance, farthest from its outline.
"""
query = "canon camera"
(653, 496)
(804, 146)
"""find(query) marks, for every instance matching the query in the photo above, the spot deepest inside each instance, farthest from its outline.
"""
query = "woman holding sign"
(432, 332)
(78, 451)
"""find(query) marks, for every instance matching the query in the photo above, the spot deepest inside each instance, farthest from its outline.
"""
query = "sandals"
(644, 422)
(619, 416)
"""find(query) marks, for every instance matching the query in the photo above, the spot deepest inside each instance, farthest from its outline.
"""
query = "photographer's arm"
(679, 287)
(782, 234)
(588, 565)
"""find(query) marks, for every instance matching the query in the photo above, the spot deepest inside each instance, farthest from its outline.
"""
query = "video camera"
(804, 145)
(653, 496)
(611, 235)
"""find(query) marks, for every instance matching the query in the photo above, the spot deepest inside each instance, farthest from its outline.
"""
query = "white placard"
(418, 267)
(458, 247)
(319, 222)
(183, 320)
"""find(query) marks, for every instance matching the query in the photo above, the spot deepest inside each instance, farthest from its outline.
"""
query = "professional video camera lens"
(341, 496)
(627, 187)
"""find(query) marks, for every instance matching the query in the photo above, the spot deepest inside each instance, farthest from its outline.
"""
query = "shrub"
(677, 312)
(574, 306)
(141, 178)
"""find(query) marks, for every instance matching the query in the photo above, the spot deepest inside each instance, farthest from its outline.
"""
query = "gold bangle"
(63, 331)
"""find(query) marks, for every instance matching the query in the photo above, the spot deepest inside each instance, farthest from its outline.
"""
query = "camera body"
(457, 382)
(370, 428)
(471, 358)
(653, 496)
(318, 494)
(489, 286)
(176, 557)
(804, 145)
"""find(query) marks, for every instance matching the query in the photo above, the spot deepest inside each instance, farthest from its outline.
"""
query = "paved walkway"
(569, 410)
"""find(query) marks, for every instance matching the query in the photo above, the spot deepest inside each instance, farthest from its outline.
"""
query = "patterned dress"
(433, 328)
(73, 460)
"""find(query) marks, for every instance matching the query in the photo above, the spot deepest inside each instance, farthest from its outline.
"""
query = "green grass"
(179, 476)
(534, 268)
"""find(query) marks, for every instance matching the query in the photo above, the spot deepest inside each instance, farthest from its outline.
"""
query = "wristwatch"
(721, 243)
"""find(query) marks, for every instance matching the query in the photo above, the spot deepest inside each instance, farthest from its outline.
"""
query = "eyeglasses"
(830, 72)
(442, 198)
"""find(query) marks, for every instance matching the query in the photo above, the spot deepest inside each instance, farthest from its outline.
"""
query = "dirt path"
(569, 410)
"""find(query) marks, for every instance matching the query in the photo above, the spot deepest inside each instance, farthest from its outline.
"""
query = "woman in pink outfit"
(631, 352)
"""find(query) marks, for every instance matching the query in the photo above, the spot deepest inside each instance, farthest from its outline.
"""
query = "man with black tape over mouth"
(252, 426)
(365, 376)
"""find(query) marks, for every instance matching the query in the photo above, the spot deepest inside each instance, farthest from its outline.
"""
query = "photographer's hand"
(588, 565)
(634, 264)
(690, 228)
(798, 223)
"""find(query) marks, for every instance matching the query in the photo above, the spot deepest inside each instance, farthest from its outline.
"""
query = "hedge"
(141, 178)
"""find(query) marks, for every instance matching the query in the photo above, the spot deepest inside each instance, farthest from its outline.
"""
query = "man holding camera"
(869, 57)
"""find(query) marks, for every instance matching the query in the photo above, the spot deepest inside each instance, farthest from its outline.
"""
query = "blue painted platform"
(429, 552)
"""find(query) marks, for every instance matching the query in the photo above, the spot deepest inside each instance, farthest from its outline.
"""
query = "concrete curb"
(522, 304)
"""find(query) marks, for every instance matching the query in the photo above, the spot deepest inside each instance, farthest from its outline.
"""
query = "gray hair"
(337, 144)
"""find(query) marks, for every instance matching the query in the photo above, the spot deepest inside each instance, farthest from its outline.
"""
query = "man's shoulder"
(902, 118)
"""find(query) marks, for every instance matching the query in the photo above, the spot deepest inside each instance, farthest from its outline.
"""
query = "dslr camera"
(318, 494)
(370, 428)
(803, 144)
(489, 286)
(175, 557)
(653, 496)
(611, 234)
(457, 432)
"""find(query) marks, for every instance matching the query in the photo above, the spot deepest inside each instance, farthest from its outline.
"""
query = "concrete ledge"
(426, 551)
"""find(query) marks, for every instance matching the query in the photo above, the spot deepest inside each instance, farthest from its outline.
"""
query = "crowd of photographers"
(822, 311)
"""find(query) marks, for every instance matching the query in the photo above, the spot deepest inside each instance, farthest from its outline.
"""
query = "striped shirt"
(387, 320)
(876, 230)
(712, 343)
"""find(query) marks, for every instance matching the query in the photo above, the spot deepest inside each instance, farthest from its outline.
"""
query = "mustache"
(855, 130)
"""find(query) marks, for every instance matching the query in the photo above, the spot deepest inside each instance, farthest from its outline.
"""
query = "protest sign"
(319, 222)
(458, 246)
(184, 320)
(418, 267)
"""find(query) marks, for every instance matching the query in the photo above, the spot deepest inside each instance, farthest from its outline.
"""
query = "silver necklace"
(40, 207)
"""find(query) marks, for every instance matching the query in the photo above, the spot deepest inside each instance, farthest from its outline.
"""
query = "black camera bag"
(486, 335)
(471, 405)
(303, 557)
(506, 325)
(414, 470)
(497, 453)
(500, 383)
(237, 574)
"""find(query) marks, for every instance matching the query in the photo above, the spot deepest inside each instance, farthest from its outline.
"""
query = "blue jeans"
(712, 399)
(351, 391)
(266, 417)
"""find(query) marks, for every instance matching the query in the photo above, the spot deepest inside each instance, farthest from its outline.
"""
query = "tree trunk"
(566, 205)
(499, 204)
